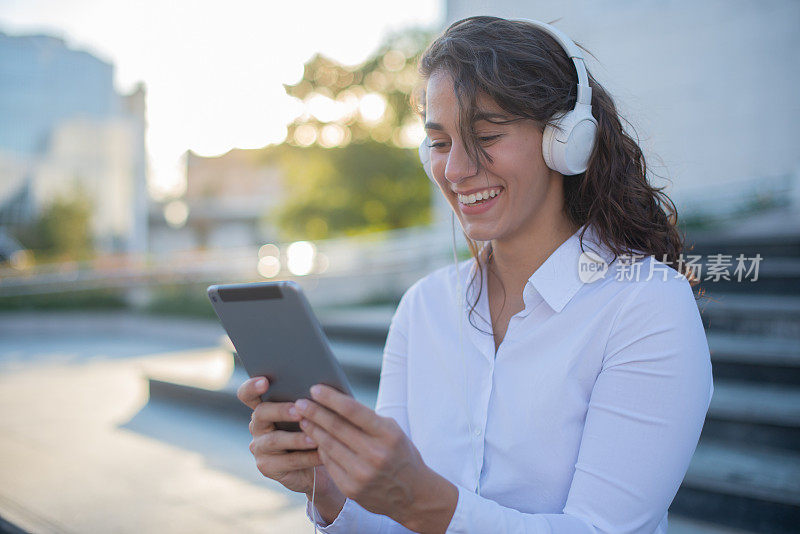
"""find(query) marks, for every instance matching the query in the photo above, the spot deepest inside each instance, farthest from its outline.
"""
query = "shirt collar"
(557, 280)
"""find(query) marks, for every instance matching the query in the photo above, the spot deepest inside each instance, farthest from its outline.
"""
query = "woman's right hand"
(270, 446)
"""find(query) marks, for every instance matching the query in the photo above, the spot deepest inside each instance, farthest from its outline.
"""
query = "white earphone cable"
(313, 495)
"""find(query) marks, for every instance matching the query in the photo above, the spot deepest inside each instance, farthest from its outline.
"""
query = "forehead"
(441, 102)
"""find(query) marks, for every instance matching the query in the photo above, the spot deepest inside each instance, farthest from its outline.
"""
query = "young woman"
(555, 382)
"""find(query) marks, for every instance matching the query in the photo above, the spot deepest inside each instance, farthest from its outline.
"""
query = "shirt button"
(477, 431)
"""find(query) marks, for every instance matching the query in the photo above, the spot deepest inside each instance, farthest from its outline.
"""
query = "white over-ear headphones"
(569, 138)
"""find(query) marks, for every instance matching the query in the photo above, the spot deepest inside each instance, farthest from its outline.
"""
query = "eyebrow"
(496, 118)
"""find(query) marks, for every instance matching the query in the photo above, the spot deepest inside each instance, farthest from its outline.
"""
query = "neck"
(515, 258)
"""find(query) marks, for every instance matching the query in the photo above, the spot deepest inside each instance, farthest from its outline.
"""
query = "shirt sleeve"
(642, 425)
(391, 403)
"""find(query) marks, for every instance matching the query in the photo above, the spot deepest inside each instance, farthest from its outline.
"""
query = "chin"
(480, 234)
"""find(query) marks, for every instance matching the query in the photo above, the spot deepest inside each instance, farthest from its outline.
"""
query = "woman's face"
(527, 192)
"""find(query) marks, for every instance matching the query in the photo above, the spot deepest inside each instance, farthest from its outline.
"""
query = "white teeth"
(481, 195)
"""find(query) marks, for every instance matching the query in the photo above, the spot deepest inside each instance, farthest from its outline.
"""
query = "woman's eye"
(488, 138)
(437, 144)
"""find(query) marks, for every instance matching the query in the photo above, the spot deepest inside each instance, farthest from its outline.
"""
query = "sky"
(214, 70)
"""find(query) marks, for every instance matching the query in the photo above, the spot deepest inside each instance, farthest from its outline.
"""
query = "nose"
(459, 164)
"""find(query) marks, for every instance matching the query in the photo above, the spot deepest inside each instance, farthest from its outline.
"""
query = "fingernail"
(309, 440)
(260, 383)
(303, 423)
(301, 405)
(292, 412)
(316, 390)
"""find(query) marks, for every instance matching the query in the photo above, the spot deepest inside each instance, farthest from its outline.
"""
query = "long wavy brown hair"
(527, 72)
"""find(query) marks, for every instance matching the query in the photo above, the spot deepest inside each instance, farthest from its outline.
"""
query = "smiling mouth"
(476, 199)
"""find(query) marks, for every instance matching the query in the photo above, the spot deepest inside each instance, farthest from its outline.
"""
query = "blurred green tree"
(363, 187)
(62, 230)
(366, 101)
(350, 160)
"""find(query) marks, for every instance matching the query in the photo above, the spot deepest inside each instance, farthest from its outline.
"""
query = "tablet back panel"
(277, 335)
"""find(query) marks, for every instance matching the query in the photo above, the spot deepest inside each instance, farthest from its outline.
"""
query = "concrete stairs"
(746, 470)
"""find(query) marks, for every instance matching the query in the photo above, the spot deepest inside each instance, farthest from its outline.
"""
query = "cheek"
(438, 165)
(522, 154)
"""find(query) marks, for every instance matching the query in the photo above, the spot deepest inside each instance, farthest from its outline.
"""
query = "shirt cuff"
(476, 514)
(340, 524)
(458, 524)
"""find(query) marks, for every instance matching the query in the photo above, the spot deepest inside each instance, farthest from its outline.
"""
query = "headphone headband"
(573, 52)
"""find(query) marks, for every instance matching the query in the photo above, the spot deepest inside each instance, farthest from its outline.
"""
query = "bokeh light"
(269, 266)
(269, 249)
(305, 135)
(325, 109)
(372, 107)
(300, 257)
(394, 60)
(411, 134)
(333, 135)
(350, 100)
(176, 213)
(21, 259)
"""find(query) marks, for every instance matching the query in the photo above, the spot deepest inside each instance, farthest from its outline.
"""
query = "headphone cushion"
(425, 158)
(567, 142)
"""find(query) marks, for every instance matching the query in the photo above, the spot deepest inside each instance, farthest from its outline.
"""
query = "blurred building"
(226, 204)
(711, 89)
(64, 128)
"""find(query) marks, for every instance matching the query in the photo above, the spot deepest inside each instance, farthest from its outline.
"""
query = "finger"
(341, 474)
(349, 408)
(334, 425)
(266, 414)
(338, 473)
(279, 441)
(334, 448)
(272, 465)
(302, 460)
(251, 390)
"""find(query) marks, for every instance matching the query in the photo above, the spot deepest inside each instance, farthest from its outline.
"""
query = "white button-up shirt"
(583, 421)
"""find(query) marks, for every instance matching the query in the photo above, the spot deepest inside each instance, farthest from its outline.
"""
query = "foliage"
(68, 300)
(348, 168)
(190, 300)
(62, 230)
(390, 75)
(362, 187)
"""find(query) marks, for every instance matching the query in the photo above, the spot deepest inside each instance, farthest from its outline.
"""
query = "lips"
(480, 196)
(481, 206)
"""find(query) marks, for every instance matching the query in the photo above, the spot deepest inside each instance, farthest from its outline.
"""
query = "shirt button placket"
(477, 431)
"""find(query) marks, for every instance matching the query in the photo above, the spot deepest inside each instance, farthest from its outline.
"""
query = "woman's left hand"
(373, 462)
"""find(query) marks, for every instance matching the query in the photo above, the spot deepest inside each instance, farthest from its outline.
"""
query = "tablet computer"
(277, 335)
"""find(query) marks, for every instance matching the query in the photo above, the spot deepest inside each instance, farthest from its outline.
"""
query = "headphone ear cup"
(568, 141)
(425, 158)
(548, 138)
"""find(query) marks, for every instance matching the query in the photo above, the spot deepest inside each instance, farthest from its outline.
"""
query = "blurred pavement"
(82, 450)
